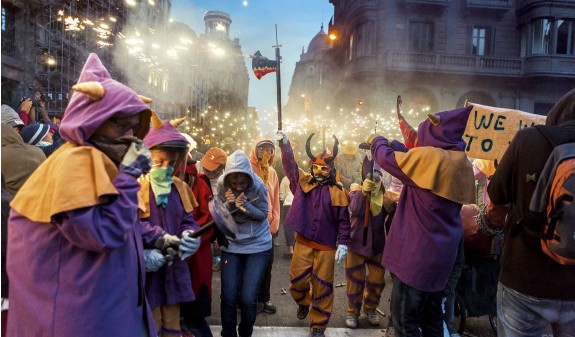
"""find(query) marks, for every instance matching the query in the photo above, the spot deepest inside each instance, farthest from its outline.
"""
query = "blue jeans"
(522, 315)
(242, 275)
(415, 312)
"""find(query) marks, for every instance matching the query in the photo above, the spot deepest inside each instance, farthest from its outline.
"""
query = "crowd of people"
(113, 223)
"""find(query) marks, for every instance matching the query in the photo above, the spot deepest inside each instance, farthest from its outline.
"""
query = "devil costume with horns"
(75, 254)
(169, 208)
(319, 216)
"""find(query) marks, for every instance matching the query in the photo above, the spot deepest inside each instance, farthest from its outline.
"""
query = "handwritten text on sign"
(490, 130)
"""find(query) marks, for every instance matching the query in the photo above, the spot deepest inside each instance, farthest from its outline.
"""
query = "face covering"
(43, 143)
(161, 181)
(114, 148)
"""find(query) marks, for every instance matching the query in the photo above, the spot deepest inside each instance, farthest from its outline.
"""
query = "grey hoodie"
(253, 229)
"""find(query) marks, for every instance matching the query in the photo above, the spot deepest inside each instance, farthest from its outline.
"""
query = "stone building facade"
(436, 54)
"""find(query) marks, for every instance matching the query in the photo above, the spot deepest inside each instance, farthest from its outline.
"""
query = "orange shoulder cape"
(339, 197)
(73, 177)
(448, 174)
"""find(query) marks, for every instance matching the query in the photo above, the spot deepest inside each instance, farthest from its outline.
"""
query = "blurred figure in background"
(286, 197)
(262, 158)
(194, 313)
(348, 164)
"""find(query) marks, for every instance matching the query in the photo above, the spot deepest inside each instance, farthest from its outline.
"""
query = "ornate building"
(45, 44)
(436, 54)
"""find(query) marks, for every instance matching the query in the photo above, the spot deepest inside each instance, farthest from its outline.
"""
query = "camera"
(36, 101)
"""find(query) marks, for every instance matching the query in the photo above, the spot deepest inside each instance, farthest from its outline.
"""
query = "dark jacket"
(524, 266)
(6, 198)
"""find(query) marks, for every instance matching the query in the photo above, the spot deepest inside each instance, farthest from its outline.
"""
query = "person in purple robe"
(75, 254)
(169, 203)
(364, 273)
(319, 215)
(421, 247)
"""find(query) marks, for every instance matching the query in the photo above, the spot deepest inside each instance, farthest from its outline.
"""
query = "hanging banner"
(261, 65)
(489, 130)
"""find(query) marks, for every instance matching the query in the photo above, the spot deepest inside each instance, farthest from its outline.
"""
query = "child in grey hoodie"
(245, 258)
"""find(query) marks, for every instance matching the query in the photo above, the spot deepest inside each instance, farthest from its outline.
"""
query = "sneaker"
(302, 311)
(351, 322)
(317, 332)
(268, 307)
(372, 317)
(260, 307)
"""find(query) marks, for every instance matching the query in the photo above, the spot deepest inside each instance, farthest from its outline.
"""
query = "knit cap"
(34, 133)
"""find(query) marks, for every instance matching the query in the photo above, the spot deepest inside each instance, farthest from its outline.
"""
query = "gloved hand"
(168, 240)
(188, 246)
(281, 137)
(368, 186)
(370, 138)
(170, 256)
(340, 253)
(154, 260)
(137, 160)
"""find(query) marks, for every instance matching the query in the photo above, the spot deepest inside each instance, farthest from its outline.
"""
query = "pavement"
(285, 323)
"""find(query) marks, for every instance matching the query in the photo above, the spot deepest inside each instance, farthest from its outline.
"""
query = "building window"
(482, 40)
(541, 108)
(365, 34)
(311, 70)
(566, 37)
(541, 33)
(350, 48)
(421, 36)
(8, 31)
(3, 19)
(524, 39)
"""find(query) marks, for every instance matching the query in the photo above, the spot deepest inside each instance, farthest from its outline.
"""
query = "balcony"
(455, 64)
(550, 65)
(443, 3)
(360, 65)
(500, 5)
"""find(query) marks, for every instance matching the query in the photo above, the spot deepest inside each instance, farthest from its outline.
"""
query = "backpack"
(552, 201)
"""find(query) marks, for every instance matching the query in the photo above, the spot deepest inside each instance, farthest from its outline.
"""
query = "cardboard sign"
(490, 130)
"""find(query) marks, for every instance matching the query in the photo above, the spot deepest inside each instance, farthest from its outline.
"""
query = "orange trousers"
(362, 288)
(167, 319)
(311, 282)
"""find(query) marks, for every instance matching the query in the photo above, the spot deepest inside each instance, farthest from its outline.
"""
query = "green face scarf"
(161, 181)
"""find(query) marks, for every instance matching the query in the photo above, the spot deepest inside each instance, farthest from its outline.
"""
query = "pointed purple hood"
(84, 115)
(164, 133)
(448, 134)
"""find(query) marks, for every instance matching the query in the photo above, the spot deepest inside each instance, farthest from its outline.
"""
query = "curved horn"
(335, 150)
(307, 147)
(94, 90)
(145, 99)
(176, 122)
(156, 121)
(435, 120)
